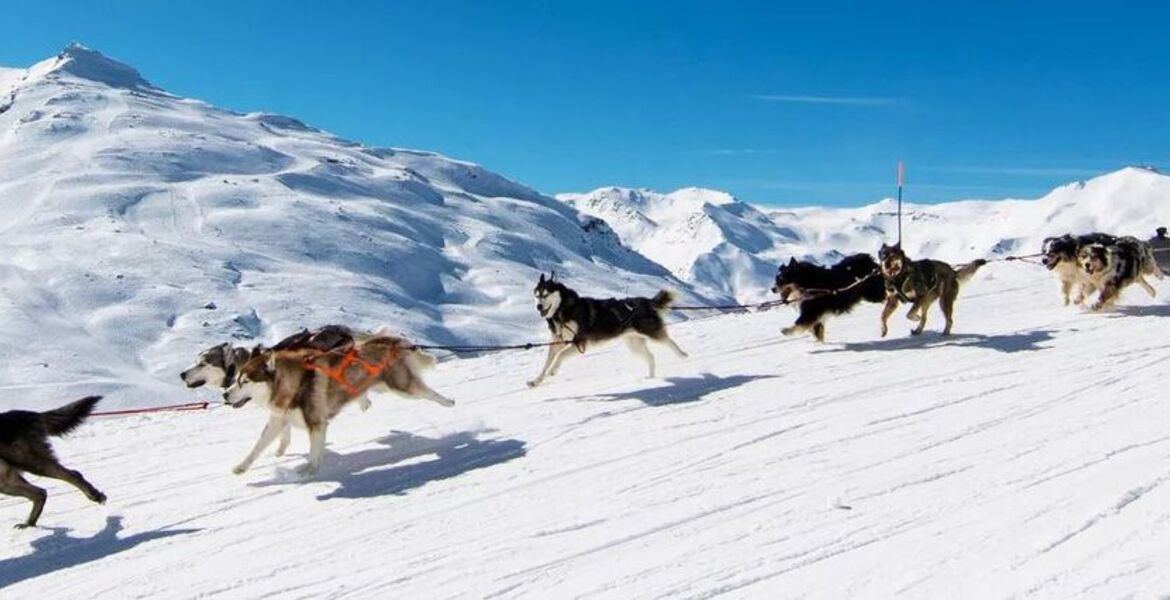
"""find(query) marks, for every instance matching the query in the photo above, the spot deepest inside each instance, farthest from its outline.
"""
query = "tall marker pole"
(901, 181)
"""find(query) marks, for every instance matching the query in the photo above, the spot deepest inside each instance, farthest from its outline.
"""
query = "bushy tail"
(969, 269)
(662, 300)
(65, 419)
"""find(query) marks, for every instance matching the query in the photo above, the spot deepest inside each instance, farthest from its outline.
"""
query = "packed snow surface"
(1026, 455)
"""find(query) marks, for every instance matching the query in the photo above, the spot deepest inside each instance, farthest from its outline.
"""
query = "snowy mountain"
(723, 245)
(140, 227)
(1130, 201)
(705, 237)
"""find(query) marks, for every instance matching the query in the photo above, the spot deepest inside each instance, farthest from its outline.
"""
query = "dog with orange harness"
(306, 386)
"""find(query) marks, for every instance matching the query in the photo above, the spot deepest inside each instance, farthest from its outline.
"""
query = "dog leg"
(13, 484)
(1108, 295)
(1065, 289)
(793, 329)
(669, 343)
(316, 449)
(637, 345)
(947, 303)
(891, 306)
(553, 365)
(923, 308)
(285, 439)
(548, 361)
(819, 331)
(560, 359)
(423, 391)
(364, 403)
(73, 478)
(276, 424)
(1146, 285)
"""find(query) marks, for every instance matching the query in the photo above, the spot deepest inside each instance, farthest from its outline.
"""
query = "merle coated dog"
(921, 283)
(1113, 267)
(577, 323)
(1061, 257)
(826, 291)
(25, 448)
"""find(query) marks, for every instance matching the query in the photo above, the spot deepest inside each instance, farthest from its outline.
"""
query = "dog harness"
(352, 357)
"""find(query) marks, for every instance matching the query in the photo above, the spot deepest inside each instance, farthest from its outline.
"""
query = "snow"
(720, 245)
(129, 210)
(1024, 456)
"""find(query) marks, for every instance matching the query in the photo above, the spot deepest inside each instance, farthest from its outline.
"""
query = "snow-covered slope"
(139, 227)
(1130, 201)
(1026, 456)
(705, 237)
(723, 245)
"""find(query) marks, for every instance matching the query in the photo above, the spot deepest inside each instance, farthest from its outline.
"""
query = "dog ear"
(541, 278)
(552, 275)
(792, 262)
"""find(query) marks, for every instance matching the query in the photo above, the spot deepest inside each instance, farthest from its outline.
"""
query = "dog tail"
(969, 269)
(662, 300)
(65, 419)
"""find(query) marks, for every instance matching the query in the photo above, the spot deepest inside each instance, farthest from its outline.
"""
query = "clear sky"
(776, 102)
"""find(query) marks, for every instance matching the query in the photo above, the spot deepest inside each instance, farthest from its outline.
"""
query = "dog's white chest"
(566, 331)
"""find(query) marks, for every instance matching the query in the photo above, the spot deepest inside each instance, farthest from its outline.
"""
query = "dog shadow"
(1024, 341)
(1150, 310)
(679, 390)
(363, 474)
(60, 551)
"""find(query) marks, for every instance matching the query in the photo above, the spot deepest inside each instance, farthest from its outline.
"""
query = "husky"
(25, 448)
(920, 283)
(217, 366)
(1160, 244)
(576, 323)
(1061, 257)
(815, 288)
(307, 387)
(1112, 268)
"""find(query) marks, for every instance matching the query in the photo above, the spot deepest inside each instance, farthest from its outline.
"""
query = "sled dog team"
(308, 378)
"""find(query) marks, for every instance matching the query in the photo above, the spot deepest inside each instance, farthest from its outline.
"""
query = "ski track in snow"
(1023, 457)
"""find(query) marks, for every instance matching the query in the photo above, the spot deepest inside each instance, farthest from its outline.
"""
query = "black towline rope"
(810, 293)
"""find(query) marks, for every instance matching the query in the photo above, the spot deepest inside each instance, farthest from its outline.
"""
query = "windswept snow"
(1027, 455)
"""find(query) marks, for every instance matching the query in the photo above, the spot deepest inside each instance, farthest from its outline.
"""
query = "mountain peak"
(84, 63)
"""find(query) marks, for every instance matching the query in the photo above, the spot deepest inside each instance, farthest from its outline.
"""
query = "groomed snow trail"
(1027, 455)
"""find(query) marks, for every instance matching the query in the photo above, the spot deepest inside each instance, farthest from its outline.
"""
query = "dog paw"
(533, 383)
(915, 332)
(788, 330)
(23, 526)
(308, 470)
(239, 469)
(99, 497)
(364, 404)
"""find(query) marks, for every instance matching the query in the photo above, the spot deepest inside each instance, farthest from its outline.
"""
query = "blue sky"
(779, 103)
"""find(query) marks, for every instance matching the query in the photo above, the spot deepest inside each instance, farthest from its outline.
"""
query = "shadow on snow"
(1024, 341)
(60, 551)
(363, 474)
(679, 390)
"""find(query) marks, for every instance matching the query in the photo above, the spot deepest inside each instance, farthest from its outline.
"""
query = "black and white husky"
(579, 323)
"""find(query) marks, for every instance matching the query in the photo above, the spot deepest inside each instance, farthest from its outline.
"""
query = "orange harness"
(351, 358)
